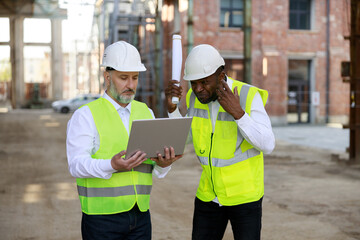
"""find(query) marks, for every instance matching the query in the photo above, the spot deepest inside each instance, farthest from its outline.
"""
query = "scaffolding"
(137, 22)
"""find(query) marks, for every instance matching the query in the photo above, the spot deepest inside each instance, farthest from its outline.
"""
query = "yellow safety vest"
(233, 170)
(124, 189)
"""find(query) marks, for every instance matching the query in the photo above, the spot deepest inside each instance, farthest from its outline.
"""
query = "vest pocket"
(200, 132)
(238, 179)
(224, 141)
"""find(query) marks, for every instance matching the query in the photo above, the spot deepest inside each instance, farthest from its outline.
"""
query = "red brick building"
(296, 51)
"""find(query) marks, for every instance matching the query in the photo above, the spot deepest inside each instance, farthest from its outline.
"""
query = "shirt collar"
(229, 81)
(115, 104)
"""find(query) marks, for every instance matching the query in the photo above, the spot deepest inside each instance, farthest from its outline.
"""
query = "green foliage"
(5, 70)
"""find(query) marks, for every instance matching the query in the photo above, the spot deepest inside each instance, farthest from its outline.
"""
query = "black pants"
(130, 225)
(210, 220)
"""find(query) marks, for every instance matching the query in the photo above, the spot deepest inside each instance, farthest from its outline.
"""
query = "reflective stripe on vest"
(114, 192)
(202, 113)
(217, 162)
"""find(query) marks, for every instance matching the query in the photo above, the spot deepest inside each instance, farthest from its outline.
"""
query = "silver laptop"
(152, 135)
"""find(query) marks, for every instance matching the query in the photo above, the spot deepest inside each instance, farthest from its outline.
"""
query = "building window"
(231, 13)
(234, 68)
(5, 29)
(299, 14)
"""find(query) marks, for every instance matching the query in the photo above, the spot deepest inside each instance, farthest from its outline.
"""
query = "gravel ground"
(307, 194)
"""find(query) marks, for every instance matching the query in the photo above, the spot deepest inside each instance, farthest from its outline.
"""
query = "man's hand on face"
(169, 158)
(121, 164)
(229, 100)
(172, 91)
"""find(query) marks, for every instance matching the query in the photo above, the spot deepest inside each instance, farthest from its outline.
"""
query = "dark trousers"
(210, 220)
(130, 225)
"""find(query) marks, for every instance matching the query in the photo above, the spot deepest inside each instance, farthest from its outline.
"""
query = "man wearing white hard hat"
(114, 192)
(230, 130)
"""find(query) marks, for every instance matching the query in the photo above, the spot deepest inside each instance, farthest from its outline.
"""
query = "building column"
(56, 60)
(17, 61)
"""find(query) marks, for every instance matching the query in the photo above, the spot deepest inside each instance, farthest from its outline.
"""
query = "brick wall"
(272, 39)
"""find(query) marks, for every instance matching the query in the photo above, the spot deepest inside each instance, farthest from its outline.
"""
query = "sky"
(79, 22)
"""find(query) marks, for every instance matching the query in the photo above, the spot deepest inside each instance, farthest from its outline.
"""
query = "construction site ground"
(308, 193)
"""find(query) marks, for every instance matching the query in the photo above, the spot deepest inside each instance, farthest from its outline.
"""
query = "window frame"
(231, 11)
(298, 13)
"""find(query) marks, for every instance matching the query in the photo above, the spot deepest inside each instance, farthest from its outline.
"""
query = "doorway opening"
(298, 107)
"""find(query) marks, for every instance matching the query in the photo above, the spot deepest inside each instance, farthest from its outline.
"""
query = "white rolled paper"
(176, 61)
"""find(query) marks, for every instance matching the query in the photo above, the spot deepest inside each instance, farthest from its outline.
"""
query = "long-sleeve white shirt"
(83, 141)
(256, 129)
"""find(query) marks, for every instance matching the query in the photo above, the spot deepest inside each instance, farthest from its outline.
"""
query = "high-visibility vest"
(233, 170)
(126, 188)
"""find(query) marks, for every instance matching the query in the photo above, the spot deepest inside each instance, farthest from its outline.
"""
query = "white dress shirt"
(83, 141)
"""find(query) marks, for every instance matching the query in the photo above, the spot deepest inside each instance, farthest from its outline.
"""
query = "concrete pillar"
(17, 61)
(56, 60)
(12, 60)
(312, 85)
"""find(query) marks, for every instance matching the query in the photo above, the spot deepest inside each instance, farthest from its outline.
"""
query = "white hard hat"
(202, 61)
(122, 57)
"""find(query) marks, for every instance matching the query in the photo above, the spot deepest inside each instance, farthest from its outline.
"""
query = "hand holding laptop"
(168, 159)
(121, 164)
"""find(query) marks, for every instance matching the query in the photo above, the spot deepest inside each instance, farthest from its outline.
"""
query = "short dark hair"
(108, 69)
(219, 70)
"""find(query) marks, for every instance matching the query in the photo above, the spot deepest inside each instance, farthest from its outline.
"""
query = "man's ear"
(106, 78)
(222, 76)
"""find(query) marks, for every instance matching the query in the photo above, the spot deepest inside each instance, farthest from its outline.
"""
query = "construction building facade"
(296, 50)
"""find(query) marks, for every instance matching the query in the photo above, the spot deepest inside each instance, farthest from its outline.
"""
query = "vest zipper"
(211, 172)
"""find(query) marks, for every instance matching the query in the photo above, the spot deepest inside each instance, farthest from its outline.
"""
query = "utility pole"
(327, 60)
(354, 149)
(247, 41)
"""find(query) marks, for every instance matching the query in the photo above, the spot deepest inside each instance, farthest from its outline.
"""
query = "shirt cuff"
(107, 169)
(244, 120)
(161, 172)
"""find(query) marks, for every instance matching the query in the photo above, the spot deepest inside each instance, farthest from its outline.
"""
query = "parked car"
(70, 105)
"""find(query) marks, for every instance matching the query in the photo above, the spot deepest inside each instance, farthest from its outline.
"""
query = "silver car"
(70, 105)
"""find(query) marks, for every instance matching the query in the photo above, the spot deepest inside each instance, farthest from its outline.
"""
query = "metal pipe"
(158, 62)
(247, 41)
(327, 60)
(14, 66)
(190, 37)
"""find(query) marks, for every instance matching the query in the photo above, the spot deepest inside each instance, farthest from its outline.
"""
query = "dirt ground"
(307, 195)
